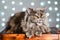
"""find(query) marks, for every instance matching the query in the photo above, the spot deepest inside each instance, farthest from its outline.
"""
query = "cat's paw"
(29, 35)
(38, 34)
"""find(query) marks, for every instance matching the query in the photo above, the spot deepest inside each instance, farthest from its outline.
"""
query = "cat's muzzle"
(39, 22)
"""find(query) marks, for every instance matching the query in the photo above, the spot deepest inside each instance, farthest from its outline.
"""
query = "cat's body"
(14, 23)
(32, 22)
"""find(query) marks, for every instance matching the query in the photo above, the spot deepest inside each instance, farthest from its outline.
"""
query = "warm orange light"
(22, 37)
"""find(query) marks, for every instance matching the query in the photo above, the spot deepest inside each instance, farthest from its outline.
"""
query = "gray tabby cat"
(32, 22)
(35, 22)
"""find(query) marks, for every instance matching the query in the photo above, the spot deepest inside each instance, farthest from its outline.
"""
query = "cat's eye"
(36, 17)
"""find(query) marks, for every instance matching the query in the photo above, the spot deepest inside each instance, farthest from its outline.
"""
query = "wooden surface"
(22, 37)
(59, 36)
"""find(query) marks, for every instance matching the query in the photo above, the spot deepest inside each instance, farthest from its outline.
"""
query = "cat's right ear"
(29, 10)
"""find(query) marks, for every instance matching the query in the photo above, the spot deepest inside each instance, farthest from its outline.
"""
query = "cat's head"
(36, 15)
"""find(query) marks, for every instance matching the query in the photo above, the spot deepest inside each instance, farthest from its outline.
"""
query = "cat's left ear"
(43, 9)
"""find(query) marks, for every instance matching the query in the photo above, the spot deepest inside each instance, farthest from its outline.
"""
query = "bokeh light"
(13, 9)
(32, 3)
(5, 7)
(3, 1)
(55, 2)
(2, 24)
(23, 9)
(2, 13)
(50, 8)
(3, 19)
(57, 26)
(50, 20)
(49, 2)
(13, 2)
(42, 3)
(57, 19)
(21, 3)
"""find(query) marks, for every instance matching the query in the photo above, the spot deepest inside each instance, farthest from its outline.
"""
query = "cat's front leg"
(38, 33)
(29, 35)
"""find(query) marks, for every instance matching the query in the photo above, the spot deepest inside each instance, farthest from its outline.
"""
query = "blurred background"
(9, 7)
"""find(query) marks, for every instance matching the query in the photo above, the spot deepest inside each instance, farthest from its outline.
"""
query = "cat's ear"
(29, 10)
(43, 9)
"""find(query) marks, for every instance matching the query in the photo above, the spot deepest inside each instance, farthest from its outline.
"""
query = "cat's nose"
(39, 21)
